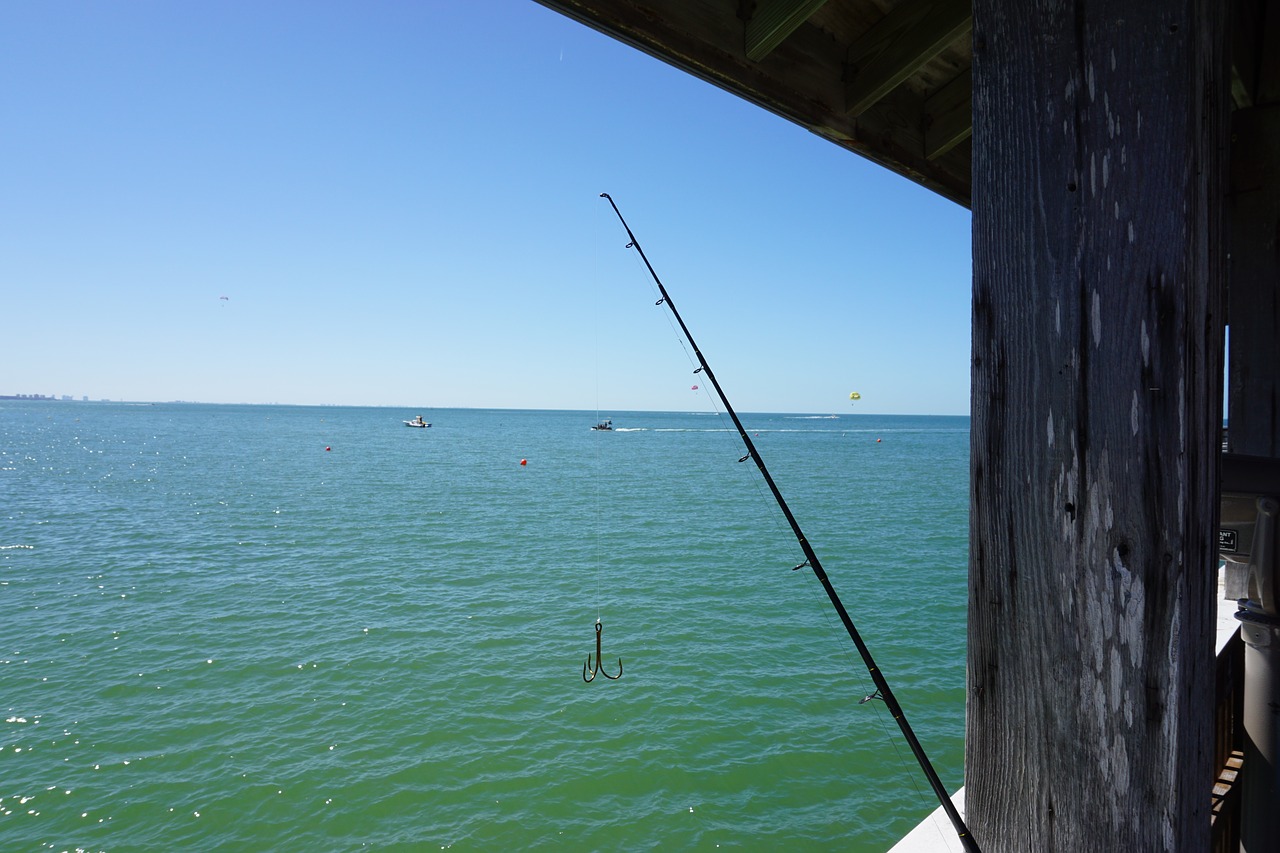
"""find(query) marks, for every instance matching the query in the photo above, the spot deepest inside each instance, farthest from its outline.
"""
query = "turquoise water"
(294, 628)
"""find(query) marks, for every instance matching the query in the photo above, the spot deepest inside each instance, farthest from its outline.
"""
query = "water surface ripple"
(293, 628)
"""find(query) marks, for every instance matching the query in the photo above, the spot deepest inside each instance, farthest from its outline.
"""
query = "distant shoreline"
(35, 398)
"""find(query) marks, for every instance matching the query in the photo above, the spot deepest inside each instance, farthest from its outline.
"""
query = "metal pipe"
(1260, 631)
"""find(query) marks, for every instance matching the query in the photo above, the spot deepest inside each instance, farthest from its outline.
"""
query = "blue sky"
(400, 202)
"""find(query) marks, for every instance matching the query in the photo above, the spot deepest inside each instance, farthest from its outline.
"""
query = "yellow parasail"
(855, 396)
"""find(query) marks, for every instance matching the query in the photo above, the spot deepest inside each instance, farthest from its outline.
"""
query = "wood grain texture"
(1099, 151)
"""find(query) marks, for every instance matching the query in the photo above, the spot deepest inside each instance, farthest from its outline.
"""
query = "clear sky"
(399, 202)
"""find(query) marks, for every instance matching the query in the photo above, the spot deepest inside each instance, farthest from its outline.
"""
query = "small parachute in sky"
(693, 387)
(855, 396)
(225, 298)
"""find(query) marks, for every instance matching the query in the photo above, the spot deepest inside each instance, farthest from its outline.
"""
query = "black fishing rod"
(883, 691)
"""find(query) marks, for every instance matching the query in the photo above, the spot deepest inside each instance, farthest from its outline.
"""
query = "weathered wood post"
(1099, 250)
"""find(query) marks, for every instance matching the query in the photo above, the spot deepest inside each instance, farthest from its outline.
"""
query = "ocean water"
(295, 628)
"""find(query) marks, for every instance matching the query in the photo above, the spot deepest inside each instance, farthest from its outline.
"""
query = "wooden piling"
(1099, 256)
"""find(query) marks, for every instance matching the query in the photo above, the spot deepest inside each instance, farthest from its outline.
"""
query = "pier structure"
(1122, 163)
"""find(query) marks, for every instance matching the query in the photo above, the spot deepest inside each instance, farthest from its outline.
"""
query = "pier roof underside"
(887, 80)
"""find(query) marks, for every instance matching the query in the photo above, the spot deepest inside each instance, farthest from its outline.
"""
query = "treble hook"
(598, 668)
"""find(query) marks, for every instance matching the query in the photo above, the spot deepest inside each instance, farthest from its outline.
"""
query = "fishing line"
(883, 691)
(599, 524)
(771, 519)
(590, 670)
(595, 480)
(696, 370)
(869, 698)
(675, 333)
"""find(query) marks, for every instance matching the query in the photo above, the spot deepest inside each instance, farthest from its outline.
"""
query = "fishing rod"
(883, 692)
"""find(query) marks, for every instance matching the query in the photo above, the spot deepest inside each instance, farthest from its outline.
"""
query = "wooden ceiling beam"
(913, 33)
(948, 116)
(773, 21)
(800, 80)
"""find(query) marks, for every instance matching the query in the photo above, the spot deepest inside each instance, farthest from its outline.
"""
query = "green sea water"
(294, 628)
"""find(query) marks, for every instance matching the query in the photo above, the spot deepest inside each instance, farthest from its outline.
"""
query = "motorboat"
(606, 424)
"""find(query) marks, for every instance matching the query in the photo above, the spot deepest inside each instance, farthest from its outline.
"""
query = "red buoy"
(524, 461)
(326, 449)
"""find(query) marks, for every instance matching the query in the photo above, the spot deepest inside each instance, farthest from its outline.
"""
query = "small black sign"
(1226, 540)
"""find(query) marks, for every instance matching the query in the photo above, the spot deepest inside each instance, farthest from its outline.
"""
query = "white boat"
(606, 424)
(417, 422)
